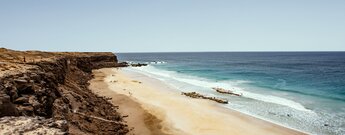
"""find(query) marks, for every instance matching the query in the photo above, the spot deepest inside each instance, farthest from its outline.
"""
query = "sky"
(173, 25)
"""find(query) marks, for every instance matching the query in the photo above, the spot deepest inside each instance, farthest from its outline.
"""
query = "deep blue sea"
(300, 90)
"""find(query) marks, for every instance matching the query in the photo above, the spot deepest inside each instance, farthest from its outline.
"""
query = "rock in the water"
(138, 65)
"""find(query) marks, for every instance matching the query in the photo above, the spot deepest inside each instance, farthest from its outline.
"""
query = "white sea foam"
(151, 62)
(156, 62)
(208, 84)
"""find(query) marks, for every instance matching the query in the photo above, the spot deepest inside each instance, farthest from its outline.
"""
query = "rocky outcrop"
(224, 91)
(54, 86)
(138, 64)
(197, 95)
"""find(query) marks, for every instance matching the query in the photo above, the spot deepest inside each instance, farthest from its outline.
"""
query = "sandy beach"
(155, 108)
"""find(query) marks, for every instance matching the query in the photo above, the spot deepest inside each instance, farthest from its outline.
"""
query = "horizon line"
(229, 51)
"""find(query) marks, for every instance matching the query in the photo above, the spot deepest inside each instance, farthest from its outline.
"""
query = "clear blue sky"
(173, 25)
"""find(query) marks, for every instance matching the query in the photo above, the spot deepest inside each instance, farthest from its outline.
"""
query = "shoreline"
(188, 116)
(220, 106)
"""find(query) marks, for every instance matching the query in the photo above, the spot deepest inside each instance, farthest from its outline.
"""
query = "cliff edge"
(49, 89)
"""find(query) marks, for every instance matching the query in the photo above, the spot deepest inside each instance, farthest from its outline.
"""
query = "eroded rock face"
(32, 93)
(55, 87)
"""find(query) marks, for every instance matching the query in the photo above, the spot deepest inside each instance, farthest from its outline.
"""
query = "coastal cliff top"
(7, 55)
(12, 61)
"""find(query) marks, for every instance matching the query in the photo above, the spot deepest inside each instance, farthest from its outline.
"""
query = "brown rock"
(102, 113)
(20, 80)
(26, 108)
(33, 101)
(21, 100)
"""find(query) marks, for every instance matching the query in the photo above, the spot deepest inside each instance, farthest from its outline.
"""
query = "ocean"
(300, 90)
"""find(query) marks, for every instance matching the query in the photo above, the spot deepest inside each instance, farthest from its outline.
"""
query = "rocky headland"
(48, 92)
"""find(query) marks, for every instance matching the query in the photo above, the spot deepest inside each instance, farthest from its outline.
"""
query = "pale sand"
(142, 122)
(174, 113)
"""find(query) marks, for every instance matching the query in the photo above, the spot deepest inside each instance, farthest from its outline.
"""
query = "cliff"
(52, 86)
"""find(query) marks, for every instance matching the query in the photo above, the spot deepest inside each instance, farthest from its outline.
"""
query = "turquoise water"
(300, 90)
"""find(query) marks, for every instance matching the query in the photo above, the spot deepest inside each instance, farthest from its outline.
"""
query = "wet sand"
(155, 108)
